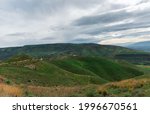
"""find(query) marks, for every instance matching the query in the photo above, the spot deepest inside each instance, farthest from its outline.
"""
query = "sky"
(114, 22)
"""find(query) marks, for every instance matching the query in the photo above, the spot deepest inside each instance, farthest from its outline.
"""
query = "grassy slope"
(103, 68)
(145, 69)
(76, 71)
(44, 74)
(127, 88)
(135, 87)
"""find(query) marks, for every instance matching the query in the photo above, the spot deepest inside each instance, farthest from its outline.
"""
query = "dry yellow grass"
(62, 91)
(10, 91)
(56, 91)
(129, 84)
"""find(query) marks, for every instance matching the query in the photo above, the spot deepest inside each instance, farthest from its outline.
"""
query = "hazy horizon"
(56, 43)
(113, 22)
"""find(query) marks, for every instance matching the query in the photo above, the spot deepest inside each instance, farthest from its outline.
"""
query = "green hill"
(67, 72)
(106, 69)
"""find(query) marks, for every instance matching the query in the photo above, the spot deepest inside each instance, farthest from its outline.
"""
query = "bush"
(92, 93)
(138, 93)
(29, 94)
(7, 81)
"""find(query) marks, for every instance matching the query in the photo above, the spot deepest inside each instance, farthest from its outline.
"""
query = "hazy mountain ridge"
(54, 50)
(144, 46)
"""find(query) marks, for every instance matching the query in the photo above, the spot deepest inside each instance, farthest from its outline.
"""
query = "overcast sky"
(24, 22)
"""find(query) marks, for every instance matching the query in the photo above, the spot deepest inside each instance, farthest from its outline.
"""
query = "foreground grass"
(10, 91)
(125, 88)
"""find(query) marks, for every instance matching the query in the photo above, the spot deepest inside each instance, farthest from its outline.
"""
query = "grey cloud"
(46, 7)
(46, 21)
(113, 16)
(136, 34)
(143, 1)
(97, 24)
(85, 40)
(115, 28)
(48, 39)
(103, 18)
(17, 34)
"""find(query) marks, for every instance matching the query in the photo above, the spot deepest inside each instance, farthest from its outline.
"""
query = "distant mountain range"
(144, 46)
(66, 49)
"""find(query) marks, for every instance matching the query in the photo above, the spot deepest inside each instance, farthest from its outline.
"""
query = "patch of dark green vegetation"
(141, 59)
(106, 69)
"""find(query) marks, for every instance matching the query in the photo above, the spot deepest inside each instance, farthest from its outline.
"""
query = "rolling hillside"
(106, 69)
(70, 71)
